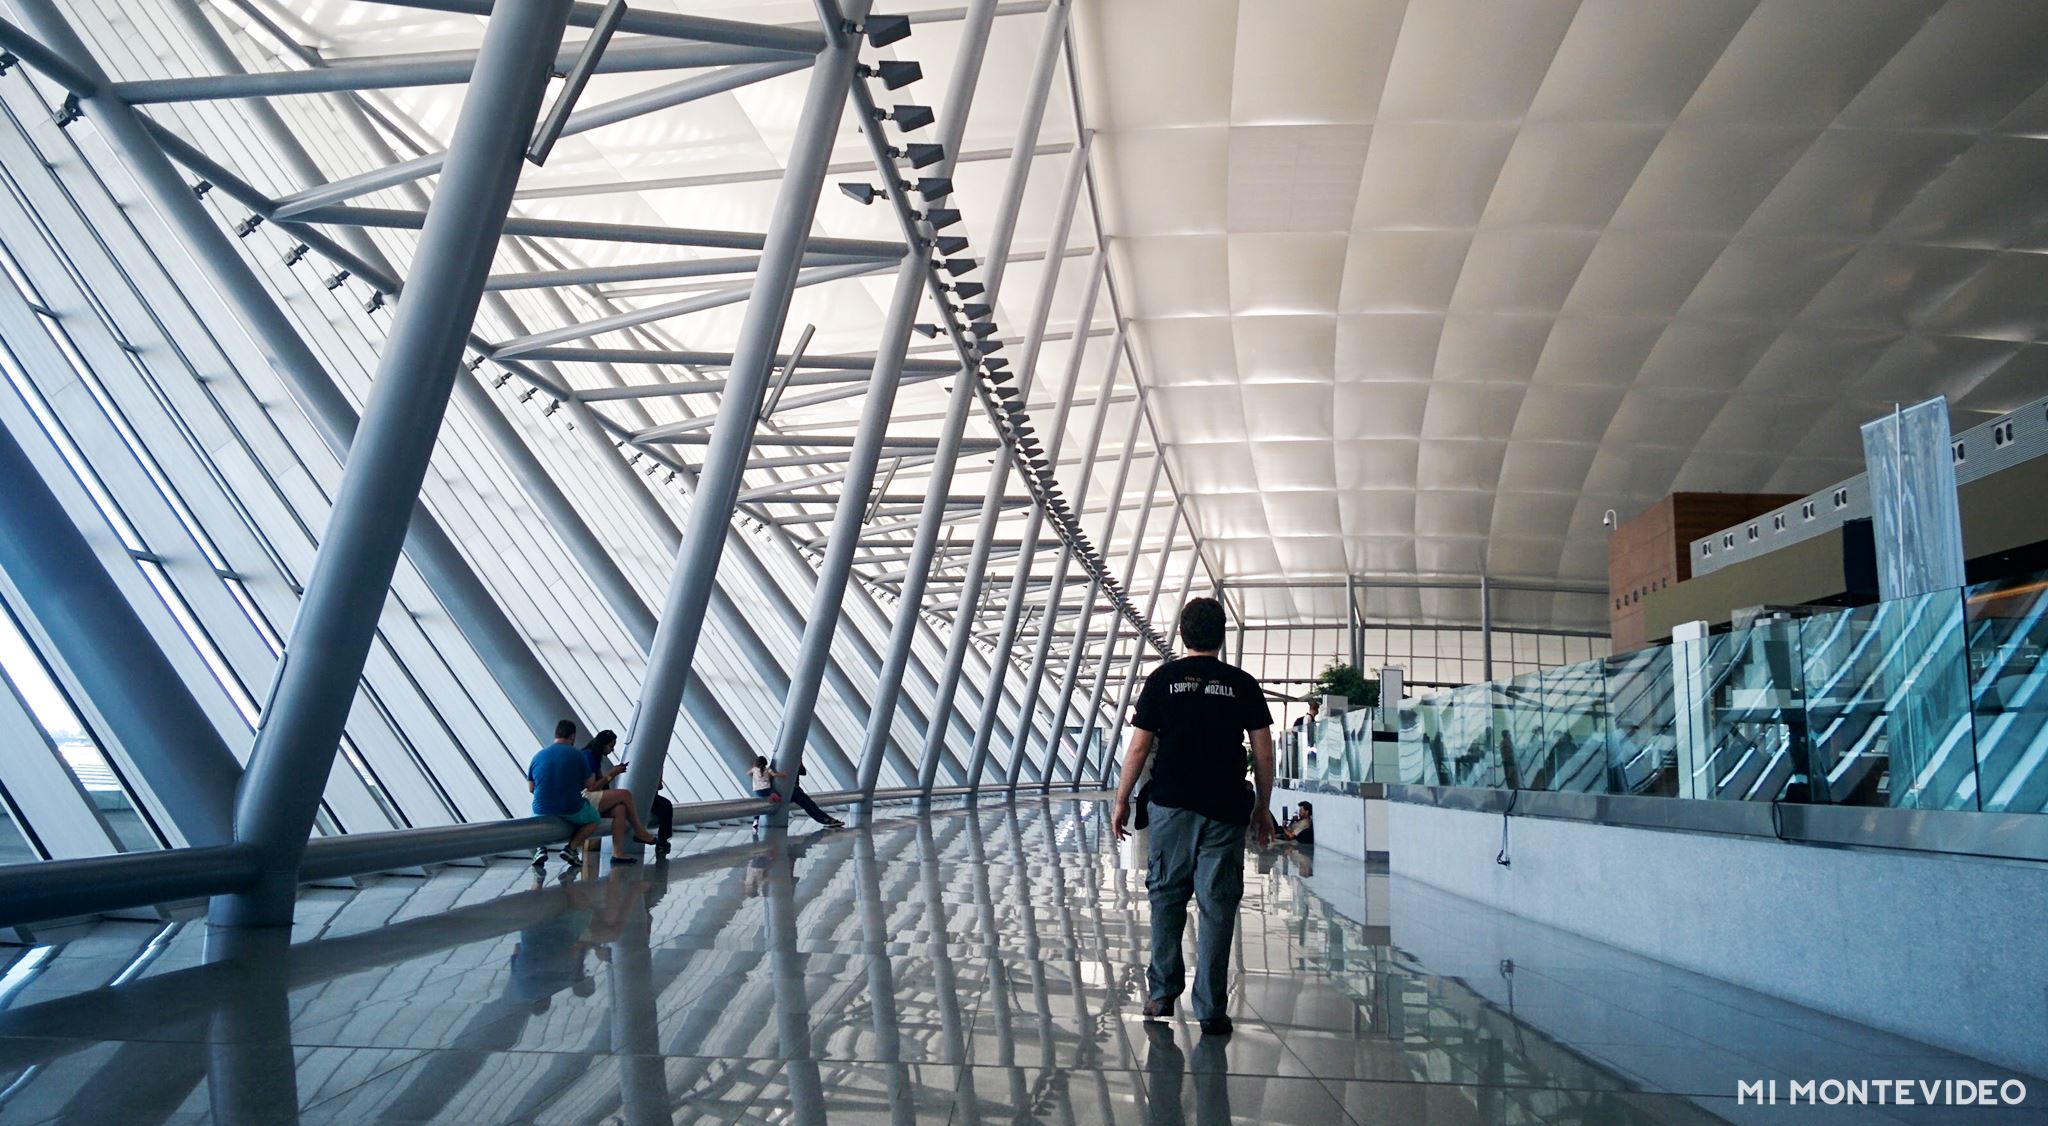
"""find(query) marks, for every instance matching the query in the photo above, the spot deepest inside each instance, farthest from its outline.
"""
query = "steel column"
(1020, 739)
(1485, 629)
(1029, 123)
(336, 622)
(724, 468)
(1241, 627)
(1116, 626)
(1187, 582)
(1068, 681)
(903, 633)
(631, 609)
(1351, 620)
(998, 483)
(891, 351)
(836, 564)
(1151, 602)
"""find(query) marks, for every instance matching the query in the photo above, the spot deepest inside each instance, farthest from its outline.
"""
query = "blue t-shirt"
(557, 775)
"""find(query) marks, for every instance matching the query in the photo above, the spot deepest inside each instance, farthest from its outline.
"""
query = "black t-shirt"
(1199, 709)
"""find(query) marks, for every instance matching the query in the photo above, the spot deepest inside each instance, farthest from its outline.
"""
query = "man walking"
(1196, 710)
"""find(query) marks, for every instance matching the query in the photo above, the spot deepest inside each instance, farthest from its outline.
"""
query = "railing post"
(724, 468)
(337, 619)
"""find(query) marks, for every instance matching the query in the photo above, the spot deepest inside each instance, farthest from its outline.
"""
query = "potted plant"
(1341, 678)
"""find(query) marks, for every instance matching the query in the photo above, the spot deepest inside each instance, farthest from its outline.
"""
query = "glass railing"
(1335, 749)
(1933, 702)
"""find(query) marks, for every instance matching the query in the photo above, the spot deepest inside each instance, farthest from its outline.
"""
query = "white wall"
(1348, 826)
(1946, 950)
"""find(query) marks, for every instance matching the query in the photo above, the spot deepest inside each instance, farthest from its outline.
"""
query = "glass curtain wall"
(207, 487)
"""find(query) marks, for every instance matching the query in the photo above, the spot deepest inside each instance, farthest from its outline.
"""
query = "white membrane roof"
(1425, 288)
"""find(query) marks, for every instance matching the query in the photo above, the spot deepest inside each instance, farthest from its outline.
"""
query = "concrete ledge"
(1942, 949)
(2010, 836)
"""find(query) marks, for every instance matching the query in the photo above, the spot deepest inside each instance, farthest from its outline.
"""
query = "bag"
(1141, 806)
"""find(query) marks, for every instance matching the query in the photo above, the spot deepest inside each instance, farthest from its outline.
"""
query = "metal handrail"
(58, 889)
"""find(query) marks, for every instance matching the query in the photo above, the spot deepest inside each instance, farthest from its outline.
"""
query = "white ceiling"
(1424, 288)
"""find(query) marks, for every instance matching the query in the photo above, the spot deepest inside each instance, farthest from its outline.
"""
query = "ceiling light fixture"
(909, 118)
(894, 73)
(884, 30)
(920, 154)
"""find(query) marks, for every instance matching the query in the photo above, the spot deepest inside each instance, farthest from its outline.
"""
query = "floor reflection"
(971, 966)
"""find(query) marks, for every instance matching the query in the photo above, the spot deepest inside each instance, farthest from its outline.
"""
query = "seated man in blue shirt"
(558, 775)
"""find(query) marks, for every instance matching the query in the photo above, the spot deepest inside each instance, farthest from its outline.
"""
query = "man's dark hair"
(1307, 808)
(1201, 625)
(565, 729)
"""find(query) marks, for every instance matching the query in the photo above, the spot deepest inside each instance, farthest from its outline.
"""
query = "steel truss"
(254, 874)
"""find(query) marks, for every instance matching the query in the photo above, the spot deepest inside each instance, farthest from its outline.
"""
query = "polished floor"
(975, 966)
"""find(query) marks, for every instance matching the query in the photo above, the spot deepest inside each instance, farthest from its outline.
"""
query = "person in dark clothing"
(803, 801)
(1191, 721)
(661, 811)
(1301, 830)
(762, 778)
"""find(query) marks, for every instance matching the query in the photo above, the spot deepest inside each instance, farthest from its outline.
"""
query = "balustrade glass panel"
(1642, 736)
(1575, 726)
(2007, 637)
(1888, 704)
(1468, 737)
(1518, 733)
(1756, 734)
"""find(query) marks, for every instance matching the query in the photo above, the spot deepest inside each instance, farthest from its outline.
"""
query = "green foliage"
(1340, 678)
